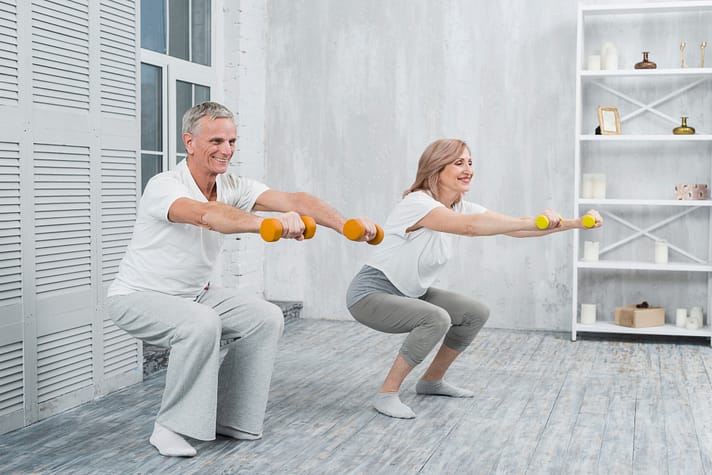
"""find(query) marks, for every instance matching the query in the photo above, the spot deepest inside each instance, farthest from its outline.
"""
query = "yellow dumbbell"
(354, 230)
(542, 222)
(271, 228)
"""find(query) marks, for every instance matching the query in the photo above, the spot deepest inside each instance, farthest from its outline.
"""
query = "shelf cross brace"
(651, 107)
(647, 232)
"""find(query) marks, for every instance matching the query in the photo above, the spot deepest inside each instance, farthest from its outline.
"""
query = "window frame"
(175, 69)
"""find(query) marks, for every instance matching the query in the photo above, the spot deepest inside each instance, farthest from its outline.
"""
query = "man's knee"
(273, 318)
(204, 328)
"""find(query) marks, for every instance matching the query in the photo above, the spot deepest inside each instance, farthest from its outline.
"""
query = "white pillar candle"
(588, 313)
(594, 62)
(692, 323)
(661, 252)
(587, 186)
(681, 317)
(599, 186)
(697, 317)
(590, 251)
(610, 62)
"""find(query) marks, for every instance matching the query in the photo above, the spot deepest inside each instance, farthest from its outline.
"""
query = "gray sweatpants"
(426, 319)
(199, 390)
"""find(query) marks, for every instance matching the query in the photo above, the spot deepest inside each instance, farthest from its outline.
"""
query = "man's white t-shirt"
(175, 258)
(412, 261)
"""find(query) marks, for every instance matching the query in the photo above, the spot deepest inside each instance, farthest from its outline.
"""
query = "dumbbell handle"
(542, 222)
(271, 228)
(354, 230)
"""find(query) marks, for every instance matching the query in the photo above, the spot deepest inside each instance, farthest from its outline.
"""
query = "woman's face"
(455, 178)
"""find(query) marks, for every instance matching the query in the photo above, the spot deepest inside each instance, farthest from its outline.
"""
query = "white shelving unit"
(644, 162)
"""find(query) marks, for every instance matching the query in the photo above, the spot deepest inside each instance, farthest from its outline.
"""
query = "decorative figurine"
(682, 54)
(684, 129)
(645, 64)
(703, 45)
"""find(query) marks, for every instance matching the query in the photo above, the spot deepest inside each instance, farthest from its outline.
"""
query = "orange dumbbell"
(271, 228)
(354, 230)
(588, 221)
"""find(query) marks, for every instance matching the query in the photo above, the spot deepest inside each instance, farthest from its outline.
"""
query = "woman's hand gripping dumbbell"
(356, 228)
(590, 220)
(288, 225)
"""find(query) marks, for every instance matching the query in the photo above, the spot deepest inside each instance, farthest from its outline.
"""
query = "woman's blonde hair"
(434, 159)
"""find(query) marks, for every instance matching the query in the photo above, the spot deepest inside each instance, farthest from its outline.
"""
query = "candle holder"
(683, 129)
(703, 45)
(682, 54)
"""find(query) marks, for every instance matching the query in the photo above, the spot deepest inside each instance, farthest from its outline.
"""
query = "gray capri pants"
(426, 319)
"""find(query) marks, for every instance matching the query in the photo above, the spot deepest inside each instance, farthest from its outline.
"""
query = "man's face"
(212, 144)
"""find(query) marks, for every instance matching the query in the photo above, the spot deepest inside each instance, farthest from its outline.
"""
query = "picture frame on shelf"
(609, 120)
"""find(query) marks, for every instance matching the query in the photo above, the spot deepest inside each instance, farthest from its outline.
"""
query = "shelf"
(646, 138)
(660, 7)
(662, 72)
(628, 202)
(631, 265)
(647, 100)
(668, 329)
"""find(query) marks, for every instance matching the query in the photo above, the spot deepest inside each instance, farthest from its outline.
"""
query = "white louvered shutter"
(11, 349)
(12, 393)
(118, 70)
(69, 144)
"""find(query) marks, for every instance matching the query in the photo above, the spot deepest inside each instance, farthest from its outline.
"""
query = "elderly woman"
(392, 293)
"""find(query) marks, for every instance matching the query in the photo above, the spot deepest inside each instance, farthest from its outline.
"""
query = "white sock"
(441, 388)
(391, 405)
(169, 443)
(236, 433)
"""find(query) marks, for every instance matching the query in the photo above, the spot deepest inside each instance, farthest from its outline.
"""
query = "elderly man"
(162, 294)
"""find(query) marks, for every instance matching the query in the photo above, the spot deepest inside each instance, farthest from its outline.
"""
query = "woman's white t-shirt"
(412, 260)
(176, 258)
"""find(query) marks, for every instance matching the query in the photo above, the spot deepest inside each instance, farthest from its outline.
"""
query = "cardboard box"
(630, 316)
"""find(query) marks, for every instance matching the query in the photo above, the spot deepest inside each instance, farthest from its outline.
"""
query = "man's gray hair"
(209, 109)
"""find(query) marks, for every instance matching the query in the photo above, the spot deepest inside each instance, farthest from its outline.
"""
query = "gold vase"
(684, 129)
(645, 64)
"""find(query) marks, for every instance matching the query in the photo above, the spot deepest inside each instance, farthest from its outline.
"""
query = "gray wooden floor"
(544, 404)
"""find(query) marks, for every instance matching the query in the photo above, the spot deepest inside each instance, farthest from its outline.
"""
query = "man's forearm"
(227, 219)
(323, 213)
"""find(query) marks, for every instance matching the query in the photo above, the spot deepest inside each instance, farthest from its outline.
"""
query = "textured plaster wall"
(354, 91)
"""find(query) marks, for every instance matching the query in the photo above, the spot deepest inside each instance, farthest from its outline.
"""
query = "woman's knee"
(423, 338)
(478, 314)
(439, 320)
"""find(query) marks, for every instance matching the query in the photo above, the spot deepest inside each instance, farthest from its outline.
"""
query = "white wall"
(356, 90)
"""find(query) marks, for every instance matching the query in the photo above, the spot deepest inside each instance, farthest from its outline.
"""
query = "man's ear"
(188, 142)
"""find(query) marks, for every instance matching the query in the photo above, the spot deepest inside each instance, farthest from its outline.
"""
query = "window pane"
(202, 94)
(184, 101)
(153, 25)
(178, 30)
(200, 32)
(150, 165)
(151, 108)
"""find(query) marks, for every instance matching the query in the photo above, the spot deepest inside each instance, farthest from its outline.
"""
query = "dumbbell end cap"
(588, 221)
(542, 222)
(353, 230)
